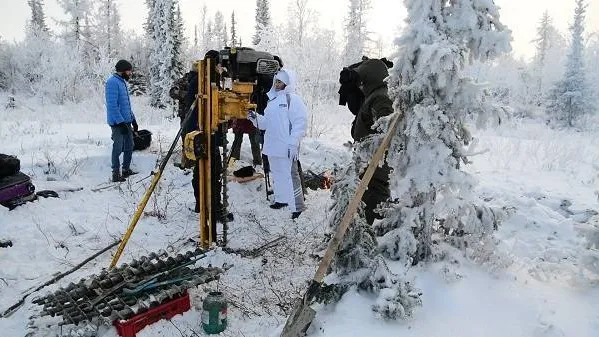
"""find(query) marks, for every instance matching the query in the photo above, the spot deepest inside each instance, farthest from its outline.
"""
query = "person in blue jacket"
(121, 119)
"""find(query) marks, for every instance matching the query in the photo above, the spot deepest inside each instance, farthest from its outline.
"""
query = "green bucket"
(214, 313)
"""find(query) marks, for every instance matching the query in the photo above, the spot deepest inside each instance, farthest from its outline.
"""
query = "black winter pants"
(254, 143)
(216, 186)
(377, 192)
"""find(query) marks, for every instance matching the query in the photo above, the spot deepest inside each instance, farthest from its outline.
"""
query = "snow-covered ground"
(542, 281)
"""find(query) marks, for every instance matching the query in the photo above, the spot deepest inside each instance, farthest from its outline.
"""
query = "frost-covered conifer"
(549, 56)
(234, 38)
(433, 206)
(107, 35)
(165, 57)
(219, 30)
(355, 31)
(77, 11)
(262, 20)
(429, 86)
(38, 18)
(570, 98)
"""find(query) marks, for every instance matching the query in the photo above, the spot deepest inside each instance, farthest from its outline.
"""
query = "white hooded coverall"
(284, 122)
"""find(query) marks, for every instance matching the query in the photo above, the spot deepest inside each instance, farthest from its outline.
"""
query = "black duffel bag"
(141, 140)
(9, 165)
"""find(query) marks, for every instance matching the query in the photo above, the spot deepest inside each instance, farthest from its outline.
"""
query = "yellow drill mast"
(217, 104)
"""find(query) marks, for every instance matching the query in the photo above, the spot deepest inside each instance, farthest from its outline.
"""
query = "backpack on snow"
(16, 190)
(9, 165)
(142, 140)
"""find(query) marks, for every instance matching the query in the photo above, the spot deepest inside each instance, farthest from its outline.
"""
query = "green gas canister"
(214, 313)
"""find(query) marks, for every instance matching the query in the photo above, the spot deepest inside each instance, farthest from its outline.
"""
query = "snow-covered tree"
(356, 261)
(6, 80)
(138, 84)
(355, 31)
(549, 53)
(39, 43)
(137, 48)
(162, 57)
(592, 66)
(211, 40)
(570, 98)
(270, 41)
(225, 37)
(25, 66)
(262, 20)
(299, 20)
(205, 38)
(542, 41)
(433, 97)
(431, 91)
(107, 34)
(38, 18)
(220, 30)
(177, 26)
(379, 47)
(234, 39)
(77, 12)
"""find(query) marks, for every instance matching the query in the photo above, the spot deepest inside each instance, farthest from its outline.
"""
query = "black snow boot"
(116, 177)
(278, 205)
(229, 217)
(128, 173)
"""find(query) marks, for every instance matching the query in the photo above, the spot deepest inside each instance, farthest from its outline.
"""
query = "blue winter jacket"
(118, 105)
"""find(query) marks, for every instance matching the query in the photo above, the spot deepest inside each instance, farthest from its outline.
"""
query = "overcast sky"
(385, 17)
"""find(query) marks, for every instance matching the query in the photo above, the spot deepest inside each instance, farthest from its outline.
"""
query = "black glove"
(123, 128)
(135, 126)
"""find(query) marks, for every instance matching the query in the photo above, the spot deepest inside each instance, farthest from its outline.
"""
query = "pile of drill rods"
(128, 290)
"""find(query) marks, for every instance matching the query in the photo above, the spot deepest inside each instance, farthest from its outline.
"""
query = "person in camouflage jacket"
(377, 104)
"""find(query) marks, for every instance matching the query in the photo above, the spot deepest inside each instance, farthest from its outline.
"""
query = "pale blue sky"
(521, 16)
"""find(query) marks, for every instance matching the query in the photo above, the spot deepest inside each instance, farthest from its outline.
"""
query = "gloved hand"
(135, 126)
(123, 128)
(252, 117)
(292, 152)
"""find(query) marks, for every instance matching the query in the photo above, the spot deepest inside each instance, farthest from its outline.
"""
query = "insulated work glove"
(123, 128)
(292, 152)
(253, 117)
(135, 126)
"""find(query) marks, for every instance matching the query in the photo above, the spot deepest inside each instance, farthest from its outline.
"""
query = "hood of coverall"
(286, 76)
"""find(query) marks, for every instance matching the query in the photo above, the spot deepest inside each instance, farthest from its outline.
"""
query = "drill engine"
(246, 64)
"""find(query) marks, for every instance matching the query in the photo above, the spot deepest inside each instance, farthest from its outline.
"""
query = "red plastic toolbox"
(166, 310)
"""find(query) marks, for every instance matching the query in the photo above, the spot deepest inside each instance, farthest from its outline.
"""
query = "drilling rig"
(229, 85)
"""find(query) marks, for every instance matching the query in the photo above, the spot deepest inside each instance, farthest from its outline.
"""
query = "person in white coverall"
(284, 124)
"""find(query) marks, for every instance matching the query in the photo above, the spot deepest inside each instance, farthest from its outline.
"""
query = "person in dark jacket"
(377, 104)
(178, 92)
(350, 93)
(216, 168)
(121, 119)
